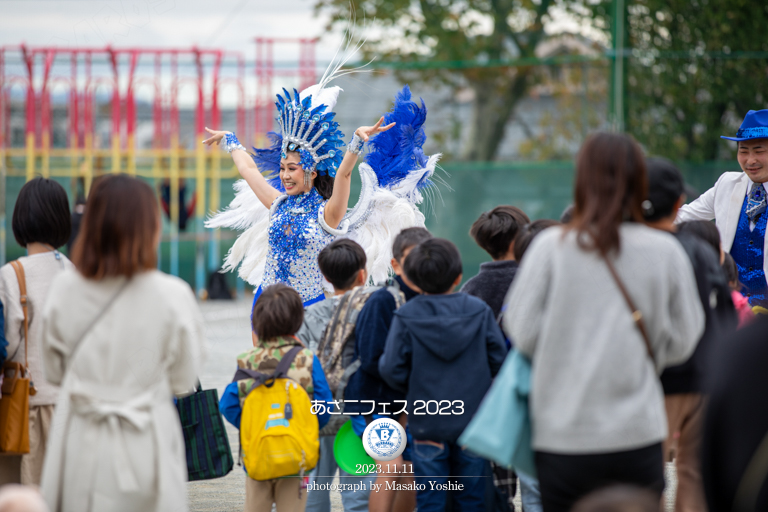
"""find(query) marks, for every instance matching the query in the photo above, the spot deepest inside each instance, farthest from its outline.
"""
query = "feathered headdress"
(307, 125)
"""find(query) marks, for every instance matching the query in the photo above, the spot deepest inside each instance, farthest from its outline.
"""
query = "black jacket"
(736, 420)
(720, 316)
(445, 348)
(492, 283)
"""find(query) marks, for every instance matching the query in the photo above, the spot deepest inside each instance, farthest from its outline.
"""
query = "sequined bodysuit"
(297, 234)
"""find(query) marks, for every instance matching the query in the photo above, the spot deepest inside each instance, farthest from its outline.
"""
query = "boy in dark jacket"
(495, 232)
(367, 394)
(443, 350)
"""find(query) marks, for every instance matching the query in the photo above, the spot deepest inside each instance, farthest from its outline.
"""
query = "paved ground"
(228, 332)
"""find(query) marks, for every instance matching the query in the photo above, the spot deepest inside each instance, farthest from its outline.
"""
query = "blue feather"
(268, 160)
(398, 151)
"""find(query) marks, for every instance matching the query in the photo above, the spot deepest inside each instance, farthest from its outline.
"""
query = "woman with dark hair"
(41, 224)
(601, 306)
(121, 338)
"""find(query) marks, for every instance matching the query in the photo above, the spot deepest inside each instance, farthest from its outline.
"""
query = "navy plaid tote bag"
(205, 439)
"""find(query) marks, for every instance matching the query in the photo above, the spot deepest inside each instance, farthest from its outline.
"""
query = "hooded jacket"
(442, 348)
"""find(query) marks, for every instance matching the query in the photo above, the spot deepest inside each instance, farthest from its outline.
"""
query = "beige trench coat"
(116, 442)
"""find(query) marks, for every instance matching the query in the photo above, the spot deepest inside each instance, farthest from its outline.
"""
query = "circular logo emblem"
(384, 439)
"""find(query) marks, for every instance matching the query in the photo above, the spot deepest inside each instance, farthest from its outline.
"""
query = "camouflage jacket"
(264, 358)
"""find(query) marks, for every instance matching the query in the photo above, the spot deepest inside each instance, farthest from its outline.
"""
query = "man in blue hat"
(737, 202)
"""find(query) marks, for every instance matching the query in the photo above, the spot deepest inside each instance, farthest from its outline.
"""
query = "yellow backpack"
(278, 433)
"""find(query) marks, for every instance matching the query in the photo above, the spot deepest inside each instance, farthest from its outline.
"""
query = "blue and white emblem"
(384, 439)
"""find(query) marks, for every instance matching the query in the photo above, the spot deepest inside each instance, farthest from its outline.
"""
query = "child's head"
(706, 231)
(528, 232)
(434, 266)
(495, 230)
(278, 312)
(342, 263)
(731, 272)
(406, 240)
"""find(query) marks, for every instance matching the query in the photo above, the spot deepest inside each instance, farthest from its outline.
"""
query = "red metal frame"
(123, 63)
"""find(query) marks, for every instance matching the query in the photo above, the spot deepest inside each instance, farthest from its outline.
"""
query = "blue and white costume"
(281, 244)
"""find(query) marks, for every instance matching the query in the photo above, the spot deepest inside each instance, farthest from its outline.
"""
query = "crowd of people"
(643, 321)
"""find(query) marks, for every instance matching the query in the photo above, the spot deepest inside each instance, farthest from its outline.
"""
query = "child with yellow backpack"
(270, 401)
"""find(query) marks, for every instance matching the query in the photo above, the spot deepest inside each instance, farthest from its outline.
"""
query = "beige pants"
(685, 413)
(40, 417)
(286, 493)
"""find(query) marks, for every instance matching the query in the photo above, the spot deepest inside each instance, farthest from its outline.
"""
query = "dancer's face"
(753, 159)
(292, 175)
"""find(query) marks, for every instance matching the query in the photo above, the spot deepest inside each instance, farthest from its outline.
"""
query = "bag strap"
(637, 315)
(280, 372)
(21, 278)
(753, 479)
(96, 319)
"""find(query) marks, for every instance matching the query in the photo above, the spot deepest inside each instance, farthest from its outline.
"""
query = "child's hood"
(445, 324)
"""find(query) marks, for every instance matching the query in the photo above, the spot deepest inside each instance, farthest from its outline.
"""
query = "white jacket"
(723, 203)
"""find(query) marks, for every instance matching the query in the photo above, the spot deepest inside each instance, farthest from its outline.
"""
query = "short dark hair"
(703, 229)
(433, 265)
(665, 187)
(495, 230)
(731, 271)
(41, 214)
(408, 238)
(118, 233)
(528, 232)
(277, 312)
(340, 261)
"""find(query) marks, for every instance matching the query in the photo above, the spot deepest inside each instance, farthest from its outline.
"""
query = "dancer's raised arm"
(248, 169)
(336, 207)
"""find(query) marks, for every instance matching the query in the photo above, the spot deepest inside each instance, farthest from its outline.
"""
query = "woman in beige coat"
(122, 338)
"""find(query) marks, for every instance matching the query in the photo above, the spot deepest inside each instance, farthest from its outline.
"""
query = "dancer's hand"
(366, 132)
(216, 137)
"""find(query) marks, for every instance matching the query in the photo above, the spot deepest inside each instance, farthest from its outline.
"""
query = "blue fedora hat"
(754, 126)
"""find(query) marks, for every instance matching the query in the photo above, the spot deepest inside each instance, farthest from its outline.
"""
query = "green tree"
(696, 67)
(490, 31)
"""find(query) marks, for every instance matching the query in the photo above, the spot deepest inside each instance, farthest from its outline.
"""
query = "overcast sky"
(228, 24)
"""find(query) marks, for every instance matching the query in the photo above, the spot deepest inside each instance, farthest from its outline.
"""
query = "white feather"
(250, 249)
(389, 216)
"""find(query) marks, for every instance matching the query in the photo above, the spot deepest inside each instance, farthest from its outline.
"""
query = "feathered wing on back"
(245, 212)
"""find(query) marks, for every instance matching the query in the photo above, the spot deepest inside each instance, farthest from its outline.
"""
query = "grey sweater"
(594, 388)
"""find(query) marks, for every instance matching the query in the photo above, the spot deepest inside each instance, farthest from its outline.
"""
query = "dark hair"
(703, 229)
(567, 215)
(408, 238)
(495, 230)
(41, 214)
(610, 189)
(119, 229)
(277, 312)
(433, 265)
(528, 232)
(731, 272)
(665, 188)
(324, 186)
(619, 498)
(340, 261)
